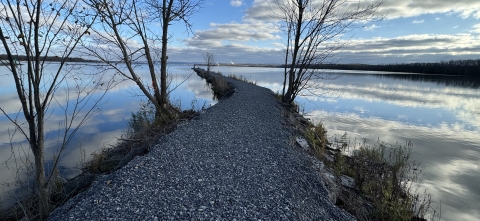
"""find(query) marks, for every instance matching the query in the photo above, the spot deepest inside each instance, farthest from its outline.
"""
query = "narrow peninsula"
(234, 161)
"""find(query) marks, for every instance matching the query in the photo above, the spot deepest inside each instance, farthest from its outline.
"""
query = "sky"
(242, 31)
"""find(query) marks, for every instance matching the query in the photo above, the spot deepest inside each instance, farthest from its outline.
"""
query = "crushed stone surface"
(236, 161)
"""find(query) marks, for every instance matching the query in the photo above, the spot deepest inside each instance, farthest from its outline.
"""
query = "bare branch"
(38, 30)
(313, 29)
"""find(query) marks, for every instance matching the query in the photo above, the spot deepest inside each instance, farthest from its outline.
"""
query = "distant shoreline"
(458, 68)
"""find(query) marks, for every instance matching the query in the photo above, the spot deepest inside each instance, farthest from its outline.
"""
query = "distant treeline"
(448, 80)
(24, 58)
(453, 67)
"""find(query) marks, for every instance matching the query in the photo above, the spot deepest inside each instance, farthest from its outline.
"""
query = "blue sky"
(412, 31)
(243, 31)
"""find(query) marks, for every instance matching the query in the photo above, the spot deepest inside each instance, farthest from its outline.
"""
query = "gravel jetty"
(236, 161)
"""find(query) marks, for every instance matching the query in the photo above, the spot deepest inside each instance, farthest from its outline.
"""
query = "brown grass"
(241, 78)
(220, 86)
(386, 180)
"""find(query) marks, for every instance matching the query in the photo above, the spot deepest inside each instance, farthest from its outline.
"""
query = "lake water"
(442, 121)
(440, 117)
(100, 131)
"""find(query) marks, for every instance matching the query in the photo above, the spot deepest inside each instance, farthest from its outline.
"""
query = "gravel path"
(236, 161)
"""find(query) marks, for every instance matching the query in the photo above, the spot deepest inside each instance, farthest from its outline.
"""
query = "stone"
(328, 157)
(347, 181)
(303, 143)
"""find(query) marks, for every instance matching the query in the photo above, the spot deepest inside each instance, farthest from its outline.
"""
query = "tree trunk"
(37, 145)
(285, 74)
(163, 71)
(296, 47)
(43, 196)
(163, 63)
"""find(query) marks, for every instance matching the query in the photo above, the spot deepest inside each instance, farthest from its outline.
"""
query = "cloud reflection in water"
(101, 130)
(442, 121)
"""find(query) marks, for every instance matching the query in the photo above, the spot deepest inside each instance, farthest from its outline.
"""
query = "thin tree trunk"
(163, 72)
(38, 145)
(151, 68)
(296, 48)
(44, 201)
(285, 73)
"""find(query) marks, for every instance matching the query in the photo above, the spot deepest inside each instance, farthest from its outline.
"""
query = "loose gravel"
(236, 161)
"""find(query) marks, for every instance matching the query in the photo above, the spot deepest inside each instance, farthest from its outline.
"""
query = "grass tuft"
(220, 86)
(386, 179)
(317, 137)
(241, 78)
(95, 161)
(295, 106)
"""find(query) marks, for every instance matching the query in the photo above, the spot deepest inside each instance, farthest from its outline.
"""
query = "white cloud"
(371, 27)
(418, 21)
(239, 53)
(464, 8)
(262, 9)
(402, 49)
(236, 3)
(437, 19)
(476, 28)
(235, 32)
(417, 42)
(411, 48)
(456, 26)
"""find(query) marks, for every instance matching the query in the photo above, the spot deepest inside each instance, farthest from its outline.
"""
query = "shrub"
(317, 136)
(142, 119)
(388, 179)
(95, 161)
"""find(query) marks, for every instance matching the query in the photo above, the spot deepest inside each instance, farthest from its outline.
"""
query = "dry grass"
(220, 86)
(317, 136)
(241, 78)
(94, 163)
(386, 180)
(295, 106)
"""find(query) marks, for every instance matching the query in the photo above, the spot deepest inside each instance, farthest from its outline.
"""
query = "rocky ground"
(236, 161)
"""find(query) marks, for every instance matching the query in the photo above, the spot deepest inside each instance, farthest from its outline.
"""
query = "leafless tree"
(40, 30)
(313, 29)
(126, 37)
(209, 57)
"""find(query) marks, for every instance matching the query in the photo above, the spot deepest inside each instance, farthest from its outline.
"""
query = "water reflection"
(458, 81)
(449, 155)
(440, 116)
(100, 131)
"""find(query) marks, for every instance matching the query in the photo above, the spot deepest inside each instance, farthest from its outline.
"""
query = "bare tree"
(172, 11)
(209, 57)
(313, 29)
(41, 30)
(125, 28)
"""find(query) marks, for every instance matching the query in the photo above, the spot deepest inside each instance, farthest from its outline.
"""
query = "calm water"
(442, 121)
(101, 130)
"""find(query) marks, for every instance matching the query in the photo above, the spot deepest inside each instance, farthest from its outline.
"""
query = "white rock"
(303, 143)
